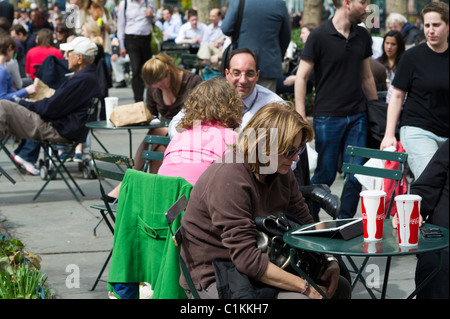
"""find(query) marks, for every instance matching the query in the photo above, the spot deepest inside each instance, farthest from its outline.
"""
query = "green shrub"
(20, 276)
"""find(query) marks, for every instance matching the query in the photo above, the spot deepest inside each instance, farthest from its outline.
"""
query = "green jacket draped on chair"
(143, 249)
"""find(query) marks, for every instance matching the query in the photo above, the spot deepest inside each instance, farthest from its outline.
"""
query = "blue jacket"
(67, 108)
(7, 91)
(265, 28)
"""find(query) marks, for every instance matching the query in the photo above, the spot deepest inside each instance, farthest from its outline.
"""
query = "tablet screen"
(328, 225)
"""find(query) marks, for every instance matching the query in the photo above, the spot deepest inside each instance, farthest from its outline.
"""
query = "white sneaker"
(29, 167)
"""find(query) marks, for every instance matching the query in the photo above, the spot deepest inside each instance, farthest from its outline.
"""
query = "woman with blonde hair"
(254, 180)
(91, 30)
(168, 86)
(213, 110)
(95, 11)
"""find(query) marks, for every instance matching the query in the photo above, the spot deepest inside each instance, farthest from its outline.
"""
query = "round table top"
(388, 246)
(109, 126)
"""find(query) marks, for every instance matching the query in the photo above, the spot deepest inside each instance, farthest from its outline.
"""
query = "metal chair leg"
(101, 271)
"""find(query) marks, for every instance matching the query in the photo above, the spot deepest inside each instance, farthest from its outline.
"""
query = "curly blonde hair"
(213, 100)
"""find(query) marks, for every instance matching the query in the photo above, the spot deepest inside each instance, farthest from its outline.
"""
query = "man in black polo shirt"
(339, 51)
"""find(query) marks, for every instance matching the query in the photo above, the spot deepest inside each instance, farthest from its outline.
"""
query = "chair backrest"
(394, 174)
(91, 111)
(109, 166)
(171, 214)
(151, 154)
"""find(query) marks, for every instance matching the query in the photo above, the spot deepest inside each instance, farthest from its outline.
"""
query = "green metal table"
(387, 247)
(104, 125)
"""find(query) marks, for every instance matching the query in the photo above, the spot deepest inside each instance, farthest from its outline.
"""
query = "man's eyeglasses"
(249, 74)
(290, 154)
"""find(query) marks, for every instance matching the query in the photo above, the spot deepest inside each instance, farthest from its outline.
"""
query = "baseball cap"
(80, 45)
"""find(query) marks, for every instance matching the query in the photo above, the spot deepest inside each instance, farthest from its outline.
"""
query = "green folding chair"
(350, 168)
(171, 215)
(108, 166)
(151, 154)
(9, 155)
(394, 174)
(52, 164)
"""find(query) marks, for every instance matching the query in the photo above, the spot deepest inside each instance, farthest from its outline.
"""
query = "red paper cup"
(408, 208)
(372, 204)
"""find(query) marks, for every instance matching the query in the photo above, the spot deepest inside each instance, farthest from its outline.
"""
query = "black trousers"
(139, 50)
(438, 287)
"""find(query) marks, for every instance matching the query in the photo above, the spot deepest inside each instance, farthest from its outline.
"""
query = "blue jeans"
(420, 145)
(28, 150)
(332, 136)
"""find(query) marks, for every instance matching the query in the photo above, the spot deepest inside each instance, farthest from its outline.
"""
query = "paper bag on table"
(130, 114)
(42, 91)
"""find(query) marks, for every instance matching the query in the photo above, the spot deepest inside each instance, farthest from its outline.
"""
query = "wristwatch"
(330, 259)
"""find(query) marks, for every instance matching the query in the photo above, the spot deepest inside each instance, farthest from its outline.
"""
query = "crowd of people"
(340, 60)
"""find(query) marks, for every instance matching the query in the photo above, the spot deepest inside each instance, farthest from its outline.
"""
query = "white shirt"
(135, 22)
(171, 28)
(187, 32)
(212, 34)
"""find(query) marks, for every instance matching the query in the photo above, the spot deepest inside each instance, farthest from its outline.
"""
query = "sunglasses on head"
(290, 154)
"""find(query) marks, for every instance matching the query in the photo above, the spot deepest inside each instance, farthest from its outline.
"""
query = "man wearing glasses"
(243, 73)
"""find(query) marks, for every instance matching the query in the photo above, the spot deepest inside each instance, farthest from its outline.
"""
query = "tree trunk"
(204, 6)
(157, 4)
(312, 12)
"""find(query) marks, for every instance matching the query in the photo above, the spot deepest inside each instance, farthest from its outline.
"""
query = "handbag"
(130, 114)
(234, 40)
(270, 240)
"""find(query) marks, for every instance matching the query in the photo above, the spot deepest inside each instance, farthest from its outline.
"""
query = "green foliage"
(295, 37)
(24, 283)
(186, 4)
(20, 277)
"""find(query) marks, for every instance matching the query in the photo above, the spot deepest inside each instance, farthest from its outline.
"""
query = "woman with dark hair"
(393, 48)
(62, 33)
(423, 74)
(39, 22)
(44, 47)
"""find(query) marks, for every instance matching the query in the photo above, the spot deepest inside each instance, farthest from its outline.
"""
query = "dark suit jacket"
(265, 28)
(7, 11)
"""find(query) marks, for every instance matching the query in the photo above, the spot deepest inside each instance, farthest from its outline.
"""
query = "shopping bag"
(130, 114)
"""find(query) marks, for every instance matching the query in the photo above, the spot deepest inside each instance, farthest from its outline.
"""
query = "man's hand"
(149, 12)
(31, 89)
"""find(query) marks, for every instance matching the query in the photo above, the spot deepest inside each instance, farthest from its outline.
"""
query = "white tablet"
(327, 226)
